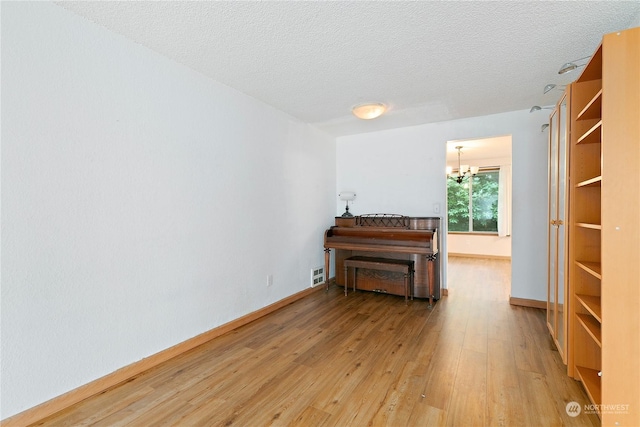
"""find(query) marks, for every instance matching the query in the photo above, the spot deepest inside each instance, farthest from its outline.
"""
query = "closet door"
(561, 228)
(552, 231)
(557, 229)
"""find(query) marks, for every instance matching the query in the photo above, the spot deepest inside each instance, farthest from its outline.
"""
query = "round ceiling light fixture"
(369, 111)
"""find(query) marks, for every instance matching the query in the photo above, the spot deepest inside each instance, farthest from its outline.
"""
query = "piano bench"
(386, 264)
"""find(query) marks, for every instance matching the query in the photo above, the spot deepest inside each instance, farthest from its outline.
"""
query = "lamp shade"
(569, 66)
(347, 195)
(572, 65)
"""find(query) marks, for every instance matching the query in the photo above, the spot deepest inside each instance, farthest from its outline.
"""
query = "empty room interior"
(320, 213)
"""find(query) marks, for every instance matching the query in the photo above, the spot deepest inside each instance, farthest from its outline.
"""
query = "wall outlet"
(436, 208)
(269, 280)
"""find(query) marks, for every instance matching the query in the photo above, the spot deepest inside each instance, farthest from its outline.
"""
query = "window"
(475, 198)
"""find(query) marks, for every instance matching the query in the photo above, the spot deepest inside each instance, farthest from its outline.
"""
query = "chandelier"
(463, 170)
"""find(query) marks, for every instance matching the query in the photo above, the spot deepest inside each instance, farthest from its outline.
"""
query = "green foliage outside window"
(458, 205)
(483, 203)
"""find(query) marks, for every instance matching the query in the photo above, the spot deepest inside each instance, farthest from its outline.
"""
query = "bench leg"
(355, 278)
(406, 289)
(412, 284)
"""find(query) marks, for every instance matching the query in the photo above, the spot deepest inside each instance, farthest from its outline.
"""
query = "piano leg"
(327, 262)
(431, 259)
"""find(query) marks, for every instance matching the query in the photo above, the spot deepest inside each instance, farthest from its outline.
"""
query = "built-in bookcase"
(604, 229)
(586, 227)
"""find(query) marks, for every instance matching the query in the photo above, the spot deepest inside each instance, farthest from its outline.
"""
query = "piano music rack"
(383, 220)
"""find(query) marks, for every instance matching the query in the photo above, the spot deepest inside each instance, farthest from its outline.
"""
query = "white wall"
(142, 204)
(403, 171)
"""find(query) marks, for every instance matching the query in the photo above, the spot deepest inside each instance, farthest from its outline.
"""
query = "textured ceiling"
(428, 61)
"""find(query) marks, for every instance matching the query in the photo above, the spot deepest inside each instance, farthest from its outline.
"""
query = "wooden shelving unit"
(593, 109)
(591, 379)
(586, 229)
(591, 226)
(593, 182)
(592, 326)
(604, 207)
(592, 304)
(592, 136)
(593, 268)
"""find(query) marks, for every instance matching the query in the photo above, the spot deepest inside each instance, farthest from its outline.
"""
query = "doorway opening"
(478, 211)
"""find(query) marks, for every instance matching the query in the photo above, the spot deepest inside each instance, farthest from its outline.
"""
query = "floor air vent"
(317, 276)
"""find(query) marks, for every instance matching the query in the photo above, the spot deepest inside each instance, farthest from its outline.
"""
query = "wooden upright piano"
(387, 236)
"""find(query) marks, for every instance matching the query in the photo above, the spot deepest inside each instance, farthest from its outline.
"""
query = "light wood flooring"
(362, 360)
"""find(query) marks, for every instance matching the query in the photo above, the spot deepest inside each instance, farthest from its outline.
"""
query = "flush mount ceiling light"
(368, 111)
(548, 88)
(570, 66)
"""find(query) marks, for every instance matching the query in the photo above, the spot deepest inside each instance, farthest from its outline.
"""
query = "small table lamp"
(347, 196)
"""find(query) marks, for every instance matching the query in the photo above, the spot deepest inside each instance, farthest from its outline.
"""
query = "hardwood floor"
(365, 359)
